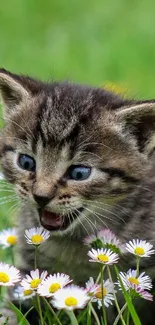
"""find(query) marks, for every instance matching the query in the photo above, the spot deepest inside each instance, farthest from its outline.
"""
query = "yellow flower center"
(99, 293)
(28, 292)
(37, 239)
(103, 258)
(11, 240)
(34, 283)
(54, 287)
(139, 251)
(71, 301)
(133, 280)
(4, 278)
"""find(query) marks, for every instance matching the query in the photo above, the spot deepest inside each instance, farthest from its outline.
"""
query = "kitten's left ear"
(139, 120)
(15, 89)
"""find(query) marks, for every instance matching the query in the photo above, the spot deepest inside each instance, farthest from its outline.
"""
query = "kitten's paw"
(8, 314)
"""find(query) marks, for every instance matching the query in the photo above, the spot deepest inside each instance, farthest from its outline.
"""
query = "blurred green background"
(85, 41)
(94, 42)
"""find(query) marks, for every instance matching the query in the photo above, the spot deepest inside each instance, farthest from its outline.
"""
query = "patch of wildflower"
(23, 293)
(140, 248)
(9, 275)
(36, 236)
(110, 241)
(8, 237)
(53, 283)
(70, 297)
(131, 281)
(105, 238)
(34, 279)
(95, 292)
(103, 256)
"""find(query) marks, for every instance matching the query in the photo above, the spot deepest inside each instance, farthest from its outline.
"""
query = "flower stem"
(72, 317)
(95, 315)
(35, 257)
(102, 290)
(121, 312)
(89, 315)
(138, 262)
(52, 311)
(12, 256)
(40, 310)
(116, 302)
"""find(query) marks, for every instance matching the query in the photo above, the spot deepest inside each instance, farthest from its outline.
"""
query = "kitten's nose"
(41, 200)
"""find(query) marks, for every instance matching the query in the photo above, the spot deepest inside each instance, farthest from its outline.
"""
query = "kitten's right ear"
(12, 91)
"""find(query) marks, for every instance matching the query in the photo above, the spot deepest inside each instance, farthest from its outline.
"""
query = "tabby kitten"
(76, 156)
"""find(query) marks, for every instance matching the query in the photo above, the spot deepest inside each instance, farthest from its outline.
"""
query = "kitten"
(76, 156)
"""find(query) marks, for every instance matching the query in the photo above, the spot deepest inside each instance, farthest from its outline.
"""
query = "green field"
(92, 42)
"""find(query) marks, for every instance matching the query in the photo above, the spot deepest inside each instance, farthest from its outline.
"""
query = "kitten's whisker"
(18, 139)
(11, 209)
(21, 128)
(79, 219)
(119, 207)
(105, 210)
(101, 220)
(28, 128)
(99, 214)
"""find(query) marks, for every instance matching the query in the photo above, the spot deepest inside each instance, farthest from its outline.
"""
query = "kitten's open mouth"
(53, 221)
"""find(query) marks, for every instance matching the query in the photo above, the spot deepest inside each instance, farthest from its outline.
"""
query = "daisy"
(71, 297)
(131, 281)
(34, 279)
(92, 287)
(36, 236)
(53, 283)
(108, 294)
(103, 256)
(95, 292)
(140, 248)
(23, 293)
(8, 237)
(109, 240)
(9, 275)
(144, 294)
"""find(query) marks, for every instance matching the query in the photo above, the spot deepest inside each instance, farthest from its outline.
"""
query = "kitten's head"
(70, 150)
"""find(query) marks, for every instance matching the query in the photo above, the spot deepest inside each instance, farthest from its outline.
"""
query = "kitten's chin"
(56, 222)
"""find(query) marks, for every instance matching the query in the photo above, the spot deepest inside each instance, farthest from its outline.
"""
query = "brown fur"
(61, 125)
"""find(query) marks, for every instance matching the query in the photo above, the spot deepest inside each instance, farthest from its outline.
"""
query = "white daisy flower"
(36, 236)
(9, 275)
(89, 240)
(23, 293)
(34, 279)
(109, 240)
(92, 287)
(71, 297)
(131, 281)
(103, 256)
(95, 292)
(53, 283)
(140, 248)
(108, 294)
(8, 237)
(144, 294)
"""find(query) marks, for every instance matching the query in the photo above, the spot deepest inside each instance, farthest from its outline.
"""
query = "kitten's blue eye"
(79, 173)
(26, 162)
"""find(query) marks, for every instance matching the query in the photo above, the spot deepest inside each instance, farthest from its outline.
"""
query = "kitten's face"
(68, 155)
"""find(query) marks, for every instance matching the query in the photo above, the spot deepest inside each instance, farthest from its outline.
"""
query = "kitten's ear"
(14, 90)
(139, 119)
